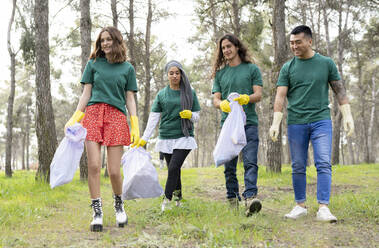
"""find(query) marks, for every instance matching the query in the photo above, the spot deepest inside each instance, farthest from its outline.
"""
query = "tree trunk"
(362, 106)
(114, 13)
(236, 18)
(85, 31)
(131, 34)
(336, 117)
(342, 32)
(372, 118)
(326, 26)
(146, 108)
(131, 41)
(23, 148)
(12, 55)
(85, 44)
(274, 158)
(27, 134)
(45, 125)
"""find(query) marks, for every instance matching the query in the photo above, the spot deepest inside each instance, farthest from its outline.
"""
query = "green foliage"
(61, 216)
(27, 46)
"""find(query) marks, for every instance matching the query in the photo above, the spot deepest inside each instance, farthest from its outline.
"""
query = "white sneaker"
(296, 212)
(166, 204)
(97, 221)
(121, 217)
(324, 214)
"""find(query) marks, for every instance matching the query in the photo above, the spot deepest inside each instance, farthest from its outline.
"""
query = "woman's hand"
(134, 134)
(185, 114)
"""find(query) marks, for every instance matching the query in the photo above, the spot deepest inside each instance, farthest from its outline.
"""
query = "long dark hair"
(118, 54)
(219, 59)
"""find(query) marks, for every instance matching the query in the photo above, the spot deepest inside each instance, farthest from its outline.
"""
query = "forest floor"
(33, 215)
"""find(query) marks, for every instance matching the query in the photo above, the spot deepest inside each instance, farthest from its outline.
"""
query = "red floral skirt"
(106, 125)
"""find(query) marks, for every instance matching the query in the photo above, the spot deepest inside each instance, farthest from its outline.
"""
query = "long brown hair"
(219, 59)
(118, 54)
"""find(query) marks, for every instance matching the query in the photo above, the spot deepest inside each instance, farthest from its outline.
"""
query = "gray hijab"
(185, 95)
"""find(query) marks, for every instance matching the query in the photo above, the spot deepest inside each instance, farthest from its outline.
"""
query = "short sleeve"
(283, 79)
(216, 85)
(87, 76)
(333, 71)
(156, 107)
(256, 77)
(195, 105)
(131, 80)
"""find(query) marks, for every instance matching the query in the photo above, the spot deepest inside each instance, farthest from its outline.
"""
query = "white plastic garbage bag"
(232, 136)
(67, 156)
(140, 176)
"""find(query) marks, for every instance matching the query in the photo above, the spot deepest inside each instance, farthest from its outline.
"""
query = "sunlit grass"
(61, 216)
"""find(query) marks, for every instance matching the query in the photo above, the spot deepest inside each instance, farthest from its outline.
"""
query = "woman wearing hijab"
(177, 108)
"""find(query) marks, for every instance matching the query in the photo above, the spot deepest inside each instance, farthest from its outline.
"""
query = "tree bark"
(274, 158)
(27, 131)
(114, 13)
(45, 125)
(372, 118)
(85, 32)
(342, 32)
(12, 55)
(85, 44)
(131, 34)
(236, 18)
(146, 108)
(23, 133)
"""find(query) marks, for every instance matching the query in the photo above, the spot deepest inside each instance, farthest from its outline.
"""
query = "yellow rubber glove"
(76, 117)
(225, 106)
(185, 114)
(242, 99)
(348, 122)
(274, 129)
(141, 142)
(134, 134)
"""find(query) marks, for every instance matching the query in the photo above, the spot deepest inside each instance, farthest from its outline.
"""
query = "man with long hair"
(234, 71)
(305, 81)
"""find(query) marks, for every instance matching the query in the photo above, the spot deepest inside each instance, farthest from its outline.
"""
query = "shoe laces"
(96, 206)
(118, 204)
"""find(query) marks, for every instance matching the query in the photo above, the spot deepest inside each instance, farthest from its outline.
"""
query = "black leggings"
(174, 163)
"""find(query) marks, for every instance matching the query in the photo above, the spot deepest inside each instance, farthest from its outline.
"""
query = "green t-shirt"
(308, 88)
(167, 102)
(109, 82)
(240, 79)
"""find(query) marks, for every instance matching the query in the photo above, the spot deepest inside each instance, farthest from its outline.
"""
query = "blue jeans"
(249, 157)
(320, 134)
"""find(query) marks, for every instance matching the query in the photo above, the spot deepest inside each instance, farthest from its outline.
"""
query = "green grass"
(33, 215)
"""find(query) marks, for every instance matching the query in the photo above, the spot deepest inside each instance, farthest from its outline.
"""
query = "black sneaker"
(253, 205)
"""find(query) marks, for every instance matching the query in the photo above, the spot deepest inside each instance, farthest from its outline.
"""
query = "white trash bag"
(67, 156)
(232, 136)
(140, 176)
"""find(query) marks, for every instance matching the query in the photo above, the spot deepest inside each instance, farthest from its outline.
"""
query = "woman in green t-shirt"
(108, 79)
(177, 108)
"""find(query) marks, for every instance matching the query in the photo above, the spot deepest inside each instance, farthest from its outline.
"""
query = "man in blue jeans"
(233, 71)
(305, 81)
